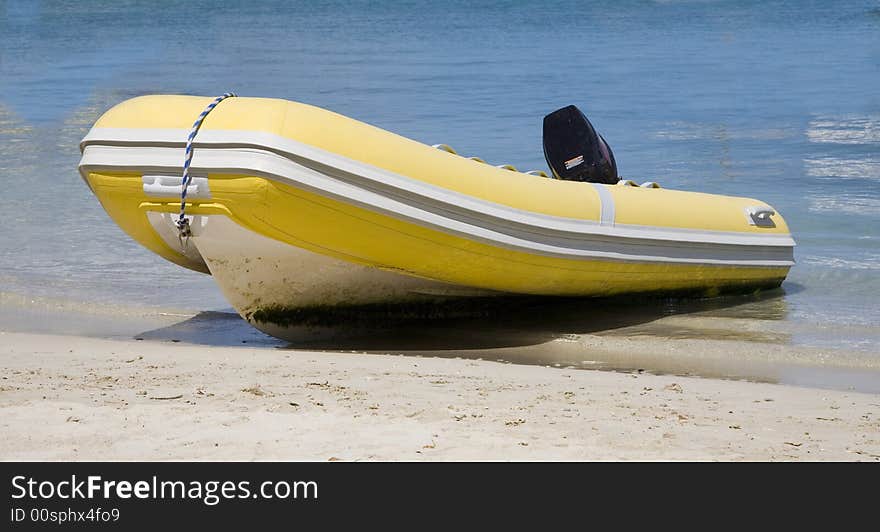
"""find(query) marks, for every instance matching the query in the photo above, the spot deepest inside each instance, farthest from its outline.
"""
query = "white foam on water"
(846, 203)
(834, 167)
(845, 130)
(871, 262)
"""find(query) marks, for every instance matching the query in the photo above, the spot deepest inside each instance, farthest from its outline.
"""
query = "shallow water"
(774, 100)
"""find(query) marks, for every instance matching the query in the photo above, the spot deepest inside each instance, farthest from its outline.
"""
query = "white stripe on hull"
(375, 178)
(494, 224)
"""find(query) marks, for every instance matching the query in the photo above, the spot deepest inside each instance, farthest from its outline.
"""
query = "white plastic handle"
(171, 186)
(158, 189)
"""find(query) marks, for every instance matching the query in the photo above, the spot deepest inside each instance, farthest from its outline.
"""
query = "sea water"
(777, 100)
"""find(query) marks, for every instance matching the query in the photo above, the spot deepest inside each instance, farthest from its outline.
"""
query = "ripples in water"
(850, 168)
(862, 205)
(845, 130)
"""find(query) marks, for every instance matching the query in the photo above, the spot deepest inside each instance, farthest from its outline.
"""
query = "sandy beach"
(79, 398)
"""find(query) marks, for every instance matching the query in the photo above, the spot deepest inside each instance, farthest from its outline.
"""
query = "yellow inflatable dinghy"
(292, 206)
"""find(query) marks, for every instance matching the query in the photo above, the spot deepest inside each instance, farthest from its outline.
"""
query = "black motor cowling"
(573, 149)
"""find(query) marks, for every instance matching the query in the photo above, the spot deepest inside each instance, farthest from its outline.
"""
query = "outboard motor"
(573, 149)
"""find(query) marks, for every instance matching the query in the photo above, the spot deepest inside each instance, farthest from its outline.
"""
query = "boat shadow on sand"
(483, 324)
(569, 333)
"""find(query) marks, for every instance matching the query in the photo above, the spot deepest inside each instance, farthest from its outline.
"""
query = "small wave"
(867, 168)
(870, 262)
(859, 205)
(720, 132)
(845, 130)
(12, 126)
(10, 301)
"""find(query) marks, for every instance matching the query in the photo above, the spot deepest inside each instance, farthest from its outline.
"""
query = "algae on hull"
(375, 313)
(438, 308)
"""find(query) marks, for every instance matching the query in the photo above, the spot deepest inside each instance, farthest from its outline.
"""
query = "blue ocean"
(778, 100)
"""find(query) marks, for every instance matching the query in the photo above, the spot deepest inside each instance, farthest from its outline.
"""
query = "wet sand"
(736, 337)
(80, 398)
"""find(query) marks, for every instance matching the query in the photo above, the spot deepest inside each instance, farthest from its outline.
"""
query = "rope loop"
(184, 231)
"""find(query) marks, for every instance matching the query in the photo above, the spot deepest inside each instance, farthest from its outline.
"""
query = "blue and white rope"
(182, 222)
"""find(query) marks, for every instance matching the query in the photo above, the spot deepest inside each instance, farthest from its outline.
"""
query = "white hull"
(263, 278)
